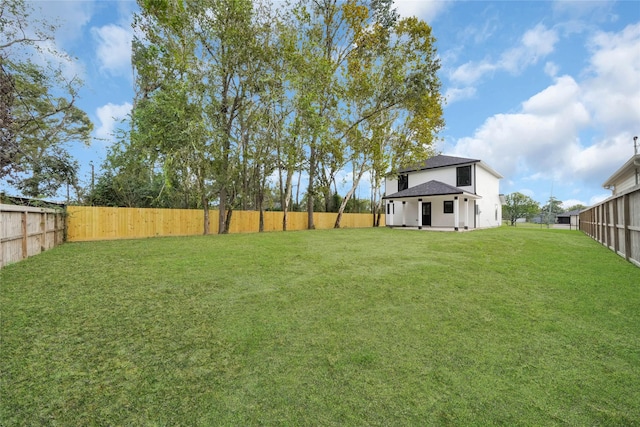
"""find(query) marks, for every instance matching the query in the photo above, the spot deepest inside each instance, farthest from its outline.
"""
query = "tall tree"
(550, 210)
(39, 115)
(226, 33)
(519, 206)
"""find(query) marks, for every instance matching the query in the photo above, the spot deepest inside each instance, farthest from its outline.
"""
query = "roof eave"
(491, 170)
(462, 193)
(628, 166)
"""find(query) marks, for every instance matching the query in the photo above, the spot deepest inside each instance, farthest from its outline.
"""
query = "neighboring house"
(445, 191)
(570, 218)
(626, 177)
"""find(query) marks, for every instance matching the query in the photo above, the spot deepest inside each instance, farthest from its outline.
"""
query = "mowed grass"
(506, 326)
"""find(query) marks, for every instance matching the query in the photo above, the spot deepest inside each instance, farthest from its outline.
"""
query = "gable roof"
(442, 161)
(570, 213)
(628, 167)
(431, 188)
(439, 161)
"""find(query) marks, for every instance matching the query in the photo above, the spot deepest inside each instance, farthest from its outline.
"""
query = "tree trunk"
(348, 196)
(227, 222)
(205, 207)
(286, 200)
(222, 213)
(260, 208)
(298, 191)
(310, 189)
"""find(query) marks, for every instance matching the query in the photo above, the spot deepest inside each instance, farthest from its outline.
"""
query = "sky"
(547, 93)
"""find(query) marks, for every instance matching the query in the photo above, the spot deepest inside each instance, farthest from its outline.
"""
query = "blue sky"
(545, 92)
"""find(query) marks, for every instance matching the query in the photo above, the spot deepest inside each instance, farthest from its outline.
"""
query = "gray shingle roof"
(431, 188)
(570, 213)
(439, 161)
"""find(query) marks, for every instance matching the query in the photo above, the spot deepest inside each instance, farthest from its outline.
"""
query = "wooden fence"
(26, 231)
(616, 224)
(86, 223)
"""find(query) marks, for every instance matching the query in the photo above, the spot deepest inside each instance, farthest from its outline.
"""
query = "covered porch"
(432, 205)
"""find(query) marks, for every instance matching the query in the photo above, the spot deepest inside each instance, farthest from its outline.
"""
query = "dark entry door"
(426, 213)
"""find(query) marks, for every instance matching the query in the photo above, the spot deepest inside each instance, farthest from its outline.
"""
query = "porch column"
(419, 214)
(390, 214)
(456, 214)
(466, 213)
(404, 214)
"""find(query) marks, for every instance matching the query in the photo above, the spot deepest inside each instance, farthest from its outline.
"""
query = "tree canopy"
(519, 206)
(234, 100)
(38, 115)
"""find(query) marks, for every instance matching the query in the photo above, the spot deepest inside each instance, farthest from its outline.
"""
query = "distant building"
(571, 218)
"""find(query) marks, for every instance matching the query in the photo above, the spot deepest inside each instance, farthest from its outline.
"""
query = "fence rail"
(86, 223)
(26, 231)
(615, 223)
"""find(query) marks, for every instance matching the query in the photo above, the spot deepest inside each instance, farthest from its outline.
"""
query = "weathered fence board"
(615, 223)
(86, 223)
(26, 231)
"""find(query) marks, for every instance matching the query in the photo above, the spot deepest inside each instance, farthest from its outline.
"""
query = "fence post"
(627, 233)
(616, 237)
(24, 234)
(43, 230)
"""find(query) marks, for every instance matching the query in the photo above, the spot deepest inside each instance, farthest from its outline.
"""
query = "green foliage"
(577, 207)
(40, 118)
(316, 327)
(230, 92)
(553, 206)
(519, 206)
(550, 211)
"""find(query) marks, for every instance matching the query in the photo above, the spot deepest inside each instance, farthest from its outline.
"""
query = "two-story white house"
(447, 192)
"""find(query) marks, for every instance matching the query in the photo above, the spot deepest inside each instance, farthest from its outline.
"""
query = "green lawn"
(509, 326)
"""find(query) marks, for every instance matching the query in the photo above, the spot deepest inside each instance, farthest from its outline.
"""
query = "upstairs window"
(403, 182)
(463, 176)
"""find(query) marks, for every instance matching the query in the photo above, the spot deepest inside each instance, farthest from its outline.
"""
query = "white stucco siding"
(413, 216)
(441, 219)
(446, 175)
(399, 212)
(390, 186)
(489, 206)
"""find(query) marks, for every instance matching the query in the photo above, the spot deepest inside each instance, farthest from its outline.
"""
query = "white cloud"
(536, 138)
(527, 192)
(454, 94)
(551, 69)
(600, 10)
(555, 99)
(545, 139)
(70, 18)
(601, 159)
(535, 44)
(613, 91)
(571, 202)
(598, 198)
(109, 115)
(471, 72)
(426, 10)
(59, 23)
(113, 48)
(480, 34)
